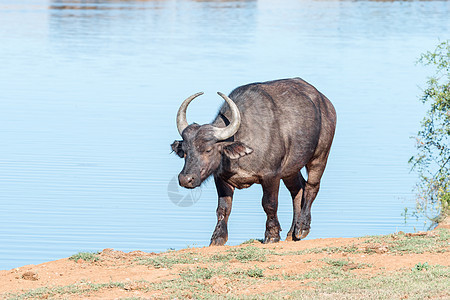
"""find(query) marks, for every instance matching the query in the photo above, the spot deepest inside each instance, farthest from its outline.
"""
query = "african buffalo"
(267, 132)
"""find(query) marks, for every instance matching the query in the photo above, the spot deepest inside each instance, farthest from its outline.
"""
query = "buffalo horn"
(219, 133)
(181, 115)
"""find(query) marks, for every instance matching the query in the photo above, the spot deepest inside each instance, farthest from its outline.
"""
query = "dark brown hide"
(285, 125)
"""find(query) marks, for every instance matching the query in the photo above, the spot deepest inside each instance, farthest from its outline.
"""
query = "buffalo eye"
(208, 150)
(177, 148)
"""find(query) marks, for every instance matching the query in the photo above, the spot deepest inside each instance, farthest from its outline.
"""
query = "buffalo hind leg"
(315, 169)
(225, 195)
(296, 186)
(270, 205)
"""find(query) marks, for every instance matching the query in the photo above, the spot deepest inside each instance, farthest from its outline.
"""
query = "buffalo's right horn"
(181, 115)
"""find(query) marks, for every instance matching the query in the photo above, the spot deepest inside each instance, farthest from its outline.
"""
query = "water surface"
(90, 90)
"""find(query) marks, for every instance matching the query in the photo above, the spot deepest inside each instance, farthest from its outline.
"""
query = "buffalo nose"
(186, 180)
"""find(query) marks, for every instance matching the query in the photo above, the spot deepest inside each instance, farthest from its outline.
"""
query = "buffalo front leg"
(296, 186)
(270, 205)
(225, 194)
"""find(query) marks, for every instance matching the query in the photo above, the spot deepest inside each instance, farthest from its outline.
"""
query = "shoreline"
(372, 266)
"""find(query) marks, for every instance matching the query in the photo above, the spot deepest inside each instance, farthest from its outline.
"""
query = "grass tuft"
(252, 241)
(421, 266)
(77, 288)
(336, 262)
(86, 256)
(243, 254)
(168, 260)
(255, 272)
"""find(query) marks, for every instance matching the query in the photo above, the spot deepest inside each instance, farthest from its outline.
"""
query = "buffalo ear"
(236, 150)
(176, 147)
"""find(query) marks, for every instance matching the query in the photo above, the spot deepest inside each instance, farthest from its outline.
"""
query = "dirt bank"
(402, 266)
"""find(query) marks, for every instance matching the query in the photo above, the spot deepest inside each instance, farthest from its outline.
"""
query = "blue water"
(89, 92)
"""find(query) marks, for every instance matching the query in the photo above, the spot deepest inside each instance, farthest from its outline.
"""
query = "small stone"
(30, 276)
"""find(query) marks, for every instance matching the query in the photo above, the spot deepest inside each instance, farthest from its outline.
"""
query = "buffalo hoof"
(270, 240)
(272, 234)
(300, 235)
(218, 241)
(304, 233)
(220, 234)
(291, 237)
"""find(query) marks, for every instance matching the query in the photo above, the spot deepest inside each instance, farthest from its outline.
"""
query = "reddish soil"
(117, 266)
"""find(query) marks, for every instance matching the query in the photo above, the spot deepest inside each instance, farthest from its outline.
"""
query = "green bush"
(432, 162)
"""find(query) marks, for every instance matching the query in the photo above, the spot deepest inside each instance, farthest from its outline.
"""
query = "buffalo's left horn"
(181, 115)
(232, 128)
